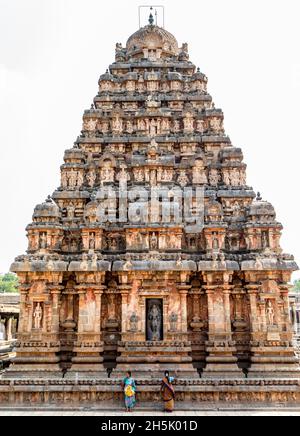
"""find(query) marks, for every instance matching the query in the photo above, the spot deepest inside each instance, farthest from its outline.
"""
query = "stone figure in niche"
(133, 322)
(72, 179)
(153, 130)
(107, 172)
(155, 320)
(154, 242)
(183, 179)
(216, 244)
(173, 321)
(270, 314)
(114, 245)
(43, 241)
(90, 125)
(123, 176)
(214, 177)
(38, 316)
(117, 125)
(79, 179)
(105, 127)
(235, 178)
(199, 175)
(139, 175)
(71, 211)
(176, 127)
(74, 246)
(141, 125)
(201, 126)
(92, 244)
(216, 124)
(265, 240)
(226, 178)
(188, 123)
(129, 127)
(91, 178)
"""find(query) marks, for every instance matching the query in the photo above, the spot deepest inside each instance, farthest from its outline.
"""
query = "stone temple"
(117, 276)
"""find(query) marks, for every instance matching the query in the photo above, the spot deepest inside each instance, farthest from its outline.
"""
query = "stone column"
(294, 320)
(24, 315)
(98, 295)
(55, 293)
(263, 315)
(254, 318)
(221, 361)
(183, 291)
(124, 293)
(227, 311)
(88, 348)
(8, 330)
(286, 309)
(81, 311)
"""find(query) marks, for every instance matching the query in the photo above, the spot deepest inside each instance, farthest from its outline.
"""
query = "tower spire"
(151, 18)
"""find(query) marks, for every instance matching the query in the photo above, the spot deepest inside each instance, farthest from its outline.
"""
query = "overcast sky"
(52, 53)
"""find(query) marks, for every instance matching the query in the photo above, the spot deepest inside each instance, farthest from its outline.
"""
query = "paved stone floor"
(151, 414)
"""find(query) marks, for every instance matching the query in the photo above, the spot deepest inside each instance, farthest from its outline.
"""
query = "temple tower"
(154, 252)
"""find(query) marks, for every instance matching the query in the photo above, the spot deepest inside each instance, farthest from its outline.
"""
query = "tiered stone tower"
(136, 291)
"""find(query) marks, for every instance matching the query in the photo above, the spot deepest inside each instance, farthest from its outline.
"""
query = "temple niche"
(109, 284)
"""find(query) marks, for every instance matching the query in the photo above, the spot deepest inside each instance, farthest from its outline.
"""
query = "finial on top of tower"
(259, 197)
(151, 18)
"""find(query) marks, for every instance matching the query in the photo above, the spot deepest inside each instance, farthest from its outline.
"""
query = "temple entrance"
(154, 320)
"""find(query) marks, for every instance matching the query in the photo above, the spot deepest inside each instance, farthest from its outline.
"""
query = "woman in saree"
(129, 387)
(168, 393)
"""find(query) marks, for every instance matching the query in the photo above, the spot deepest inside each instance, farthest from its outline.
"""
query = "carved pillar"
(221, 360)
(263, 315)
(196, 306)
(8, 329)
(88, 348)
(98, 296)
(287, 325)
(227, 312)
(294, 317)
(81, 312)
(254, 317)
(55, 293)
(124, 293)
(24, 316)
(183, 291)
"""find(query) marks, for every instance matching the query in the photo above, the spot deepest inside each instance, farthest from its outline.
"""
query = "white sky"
(52, 53)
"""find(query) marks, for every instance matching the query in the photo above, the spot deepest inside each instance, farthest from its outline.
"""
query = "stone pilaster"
(89, 344)
(221, 360)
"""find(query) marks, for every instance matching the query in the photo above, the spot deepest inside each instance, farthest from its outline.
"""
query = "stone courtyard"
(154, 254)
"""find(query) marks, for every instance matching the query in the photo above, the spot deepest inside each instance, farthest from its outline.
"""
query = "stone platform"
(107, 393)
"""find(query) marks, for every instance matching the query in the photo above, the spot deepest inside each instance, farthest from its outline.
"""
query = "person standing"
(168, 393)
(129, 387)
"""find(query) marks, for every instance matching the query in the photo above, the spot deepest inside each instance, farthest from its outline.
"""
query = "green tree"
(297, 286)
(9, 283)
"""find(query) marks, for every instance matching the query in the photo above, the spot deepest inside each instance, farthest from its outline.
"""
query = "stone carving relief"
(155, 323)
(38, 316)
(270, 313)
(199, 174)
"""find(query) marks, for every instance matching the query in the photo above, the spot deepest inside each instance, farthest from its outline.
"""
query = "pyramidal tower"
(154, 253)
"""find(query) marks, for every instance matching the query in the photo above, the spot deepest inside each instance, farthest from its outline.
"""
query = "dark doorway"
(154, 320)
